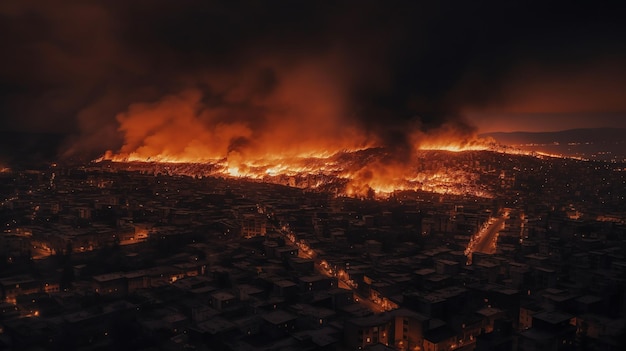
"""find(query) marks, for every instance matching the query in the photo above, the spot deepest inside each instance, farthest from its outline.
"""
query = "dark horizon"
(384, 71)
(36, 149)
(312, 175)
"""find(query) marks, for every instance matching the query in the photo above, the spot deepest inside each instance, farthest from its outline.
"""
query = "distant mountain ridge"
(601, 144)
(580, 135)
(32, 149)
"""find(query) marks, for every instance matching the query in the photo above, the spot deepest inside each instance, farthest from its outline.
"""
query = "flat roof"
(285, 283)
(370, 321)
(313, 278)
(108, 277)
(216, 325)
(489, 311)
(589, 299)
(278, 317)
(553, 317)
(223, 295)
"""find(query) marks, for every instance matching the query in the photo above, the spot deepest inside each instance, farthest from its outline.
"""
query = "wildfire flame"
(365, 172)
(297, 129)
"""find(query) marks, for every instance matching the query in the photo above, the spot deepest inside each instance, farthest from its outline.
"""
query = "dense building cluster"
(95, 258)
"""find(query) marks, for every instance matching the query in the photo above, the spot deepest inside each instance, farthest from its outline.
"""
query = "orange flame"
(295, 129)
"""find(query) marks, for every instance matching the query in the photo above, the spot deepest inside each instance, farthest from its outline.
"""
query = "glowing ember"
(361, 173)
(366, 173)
(458, 146)
(286, 139)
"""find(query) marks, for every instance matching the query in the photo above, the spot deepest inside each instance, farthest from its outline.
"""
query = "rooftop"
(278, 317)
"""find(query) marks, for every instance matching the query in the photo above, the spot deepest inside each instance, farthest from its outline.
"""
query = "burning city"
(308, 255)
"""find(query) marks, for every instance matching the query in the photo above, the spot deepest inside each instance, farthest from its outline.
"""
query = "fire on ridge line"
(364, 174)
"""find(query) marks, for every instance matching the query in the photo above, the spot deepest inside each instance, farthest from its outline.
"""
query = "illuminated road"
(485, 240)
(321, 266)
(38, 253)
(371, 305)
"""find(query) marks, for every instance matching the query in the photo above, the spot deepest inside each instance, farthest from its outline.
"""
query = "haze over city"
(308, 175)
(108, 74)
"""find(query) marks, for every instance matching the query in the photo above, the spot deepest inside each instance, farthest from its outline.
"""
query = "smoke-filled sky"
(239, 75)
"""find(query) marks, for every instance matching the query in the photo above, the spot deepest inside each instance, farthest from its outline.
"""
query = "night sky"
(84, 68)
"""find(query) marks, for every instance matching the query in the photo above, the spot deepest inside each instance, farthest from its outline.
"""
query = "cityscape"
(153, 256)
(312, 175)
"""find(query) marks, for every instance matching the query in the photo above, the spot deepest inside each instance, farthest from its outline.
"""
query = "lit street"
(485, 240)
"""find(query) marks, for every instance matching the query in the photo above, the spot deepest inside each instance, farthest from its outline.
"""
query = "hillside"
(607, 144)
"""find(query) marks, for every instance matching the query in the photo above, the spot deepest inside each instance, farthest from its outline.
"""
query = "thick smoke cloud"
(279, 111)
(248, 76)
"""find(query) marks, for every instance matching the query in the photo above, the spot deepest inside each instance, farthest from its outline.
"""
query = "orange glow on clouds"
(180, 129)
(295, 125)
